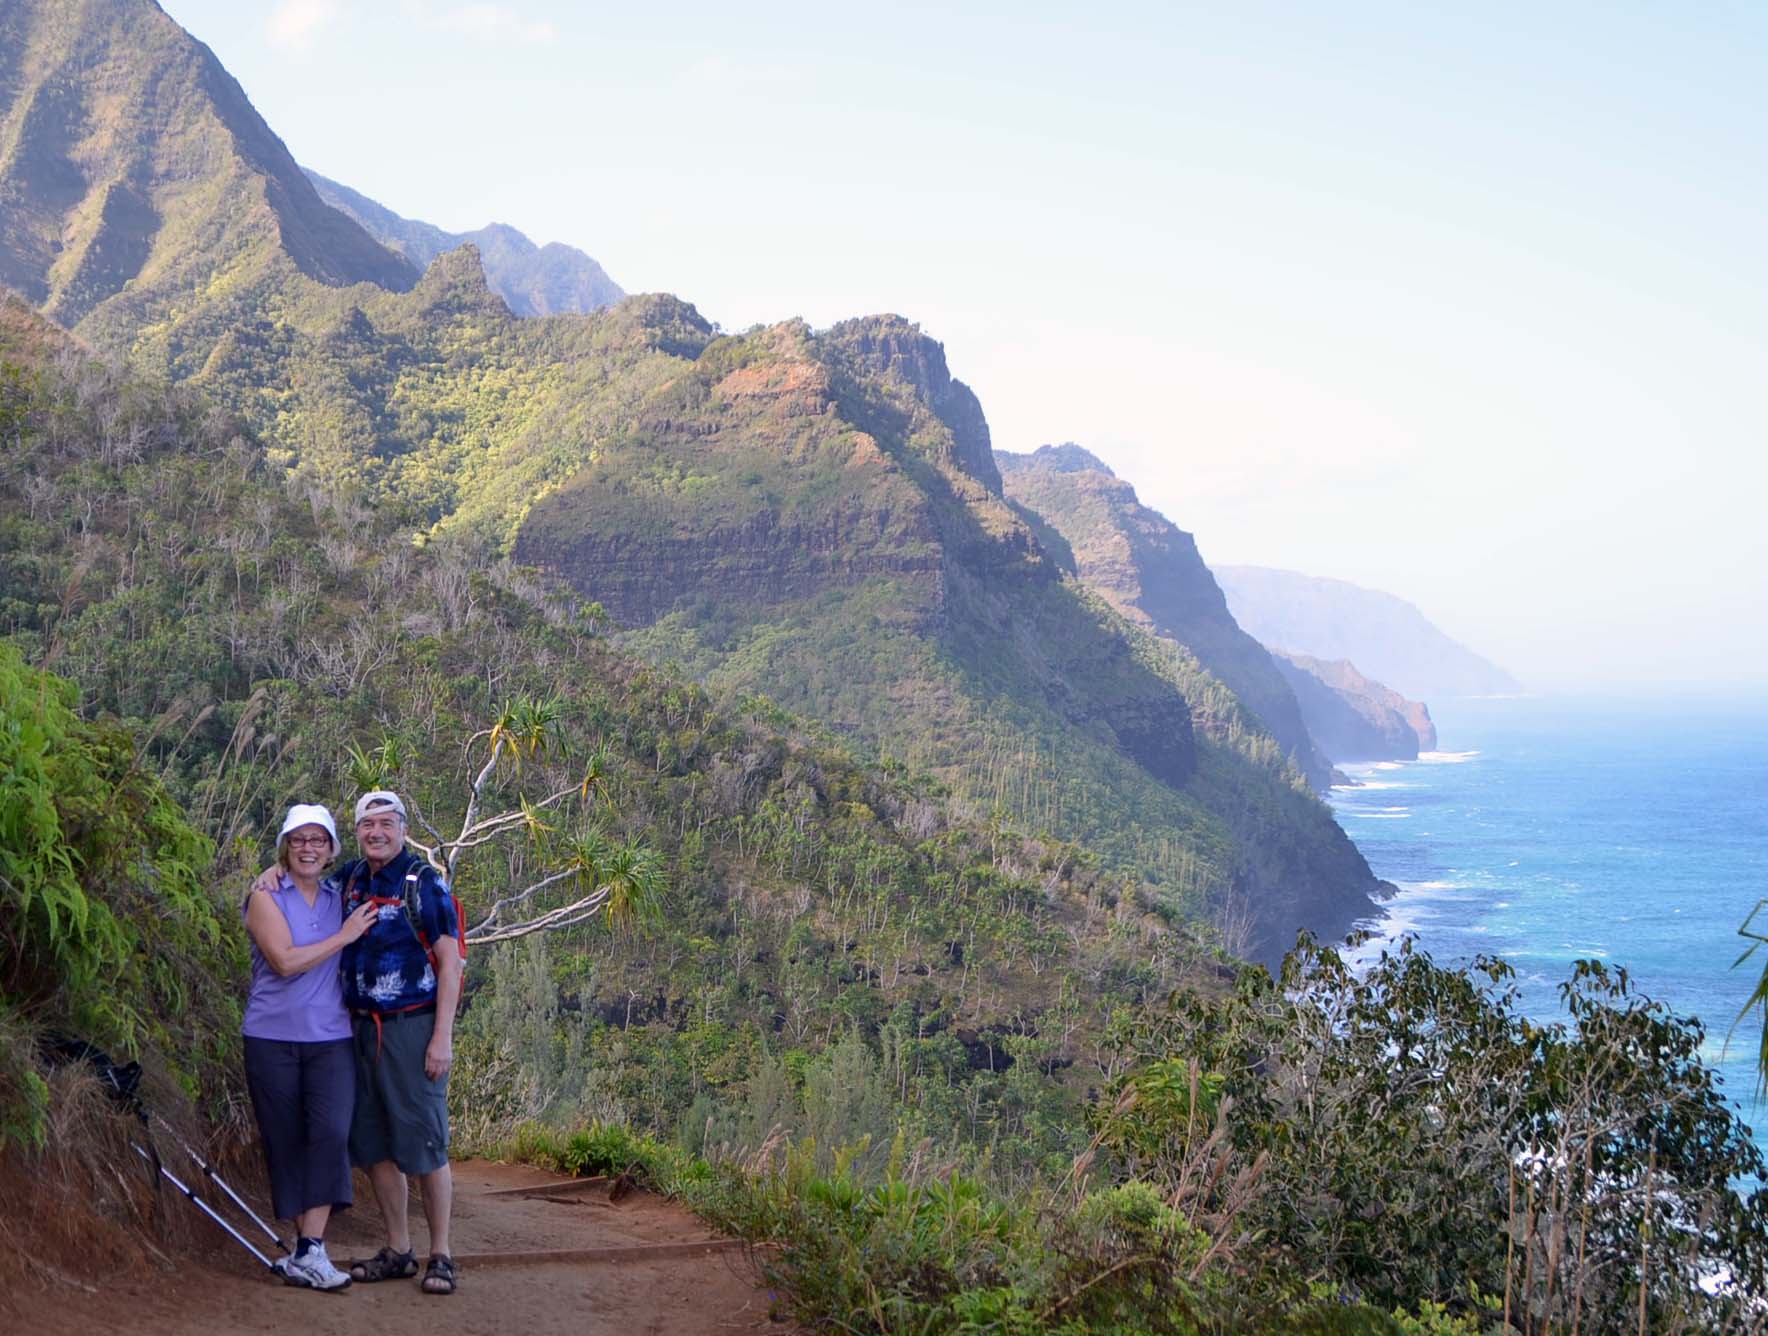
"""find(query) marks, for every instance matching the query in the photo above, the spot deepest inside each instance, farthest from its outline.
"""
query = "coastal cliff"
(1148, 569)
(1353, 717)
(841, 484)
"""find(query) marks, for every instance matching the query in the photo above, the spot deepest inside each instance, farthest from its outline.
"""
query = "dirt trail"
(537, 1261)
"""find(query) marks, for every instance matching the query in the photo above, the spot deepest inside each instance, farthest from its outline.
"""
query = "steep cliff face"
(133, 171)
(1353, 717)
(792, 478)
(1149, 570)
(739, 484)
(893, 348)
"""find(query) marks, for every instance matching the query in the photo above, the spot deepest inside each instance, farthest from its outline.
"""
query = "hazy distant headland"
(1353, 717)
(1384, 636)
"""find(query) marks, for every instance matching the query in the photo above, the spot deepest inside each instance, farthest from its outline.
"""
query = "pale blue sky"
(1465, 306)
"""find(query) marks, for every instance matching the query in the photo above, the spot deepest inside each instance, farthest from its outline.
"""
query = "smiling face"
(381, 834)
(306, 850)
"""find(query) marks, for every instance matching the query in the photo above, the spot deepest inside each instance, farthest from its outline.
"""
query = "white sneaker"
(315, 1270)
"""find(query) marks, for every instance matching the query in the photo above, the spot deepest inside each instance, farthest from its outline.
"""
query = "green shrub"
(112, 931)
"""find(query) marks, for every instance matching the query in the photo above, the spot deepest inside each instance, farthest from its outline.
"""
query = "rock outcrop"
(1353, 717)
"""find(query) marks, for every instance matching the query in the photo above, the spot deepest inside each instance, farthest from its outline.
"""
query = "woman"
(299, 1066)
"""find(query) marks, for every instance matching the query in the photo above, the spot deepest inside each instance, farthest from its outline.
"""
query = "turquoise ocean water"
(1548, 830)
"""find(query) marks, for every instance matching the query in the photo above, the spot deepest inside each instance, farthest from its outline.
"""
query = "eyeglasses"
(310, 841)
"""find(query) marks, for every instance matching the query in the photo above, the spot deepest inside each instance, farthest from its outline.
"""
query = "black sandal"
(384, 1265)
(441, 1272)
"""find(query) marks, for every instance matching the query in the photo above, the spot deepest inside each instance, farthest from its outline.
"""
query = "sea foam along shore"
(1409, 912)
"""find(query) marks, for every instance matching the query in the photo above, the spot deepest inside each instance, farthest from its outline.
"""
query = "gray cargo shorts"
(401, 1115)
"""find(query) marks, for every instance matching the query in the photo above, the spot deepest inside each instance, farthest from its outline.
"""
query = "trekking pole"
(207, 1210)
(221, 1183)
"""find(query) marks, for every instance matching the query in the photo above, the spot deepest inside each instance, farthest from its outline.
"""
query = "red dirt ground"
(686, 1292)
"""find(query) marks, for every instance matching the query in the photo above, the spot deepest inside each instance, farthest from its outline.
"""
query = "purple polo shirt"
(304, 1008)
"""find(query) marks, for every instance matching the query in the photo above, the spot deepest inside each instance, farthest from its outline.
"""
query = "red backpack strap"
(414, 916)
(350, 888)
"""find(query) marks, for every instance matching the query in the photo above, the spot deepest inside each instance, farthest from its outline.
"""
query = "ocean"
(1547, 830)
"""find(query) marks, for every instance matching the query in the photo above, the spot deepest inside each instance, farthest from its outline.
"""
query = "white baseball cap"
(309, 814)
(379, 800)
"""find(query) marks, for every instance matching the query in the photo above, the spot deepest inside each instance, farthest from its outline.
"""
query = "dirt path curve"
(641, 1266)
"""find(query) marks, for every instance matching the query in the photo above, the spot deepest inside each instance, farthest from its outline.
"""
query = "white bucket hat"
(309, 814)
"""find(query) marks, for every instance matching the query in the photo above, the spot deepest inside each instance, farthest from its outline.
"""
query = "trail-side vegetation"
(1396, 1151)
(107, 922)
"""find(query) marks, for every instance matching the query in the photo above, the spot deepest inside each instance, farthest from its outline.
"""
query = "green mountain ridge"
(242, 639)
(533, 280)
(136, 178)
(817, 515)
(864, 560)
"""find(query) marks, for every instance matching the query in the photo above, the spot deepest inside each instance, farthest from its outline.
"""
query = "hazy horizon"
(1462, 308)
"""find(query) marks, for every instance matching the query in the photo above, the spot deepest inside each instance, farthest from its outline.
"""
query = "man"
(402, 983)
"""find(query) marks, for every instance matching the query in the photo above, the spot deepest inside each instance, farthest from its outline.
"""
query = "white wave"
(1387, 934)
(1445, 757)
(1401, 815)
(1406, 914)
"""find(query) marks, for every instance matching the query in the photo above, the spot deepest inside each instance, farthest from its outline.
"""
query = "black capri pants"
(303, 1095)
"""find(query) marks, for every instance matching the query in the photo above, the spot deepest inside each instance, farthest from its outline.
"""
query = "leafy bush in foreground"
(108, 924)
(1316, 1153)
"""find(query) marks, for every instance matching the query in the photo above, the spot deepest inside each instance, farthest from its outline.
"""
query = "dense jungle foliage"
(963, 1074)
